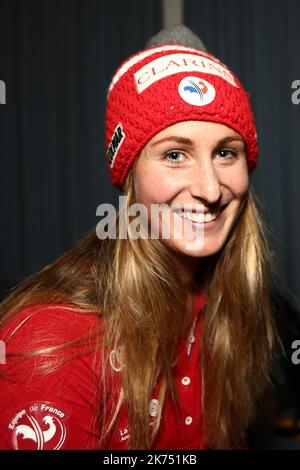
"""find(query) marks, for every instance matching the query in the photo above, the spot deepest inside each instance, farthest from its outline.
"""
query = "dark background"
(57, 58)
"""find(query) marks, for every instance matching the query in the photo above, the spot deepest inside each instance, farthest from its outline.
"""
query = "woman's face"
(194, 167)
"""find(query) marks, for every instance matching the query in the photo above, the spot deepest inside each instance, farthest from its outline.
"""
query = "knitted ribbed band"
(161, 86)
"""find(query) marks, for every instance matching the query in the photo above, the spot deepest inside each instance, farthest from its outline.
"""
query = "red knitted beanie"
(163, 85)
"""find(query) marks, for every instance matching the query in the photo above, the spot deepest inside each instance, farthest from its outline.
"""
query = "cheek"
(238, 182)
(243, 185)
(154, 187)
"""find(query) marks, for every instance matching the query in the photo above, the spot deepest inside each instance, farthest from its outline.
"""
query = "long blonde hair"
(116, 280)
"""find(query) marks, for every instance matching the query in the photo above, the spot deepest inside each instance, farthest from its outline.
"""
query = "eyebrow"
(188, 142)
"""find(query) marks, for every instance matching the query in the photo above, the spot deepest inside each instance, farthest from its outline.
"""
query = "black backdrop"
(260, 41)
(57, 58)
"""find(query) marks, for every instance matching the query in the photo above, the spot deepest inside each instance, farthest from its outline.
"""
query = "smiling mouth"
(199, 217)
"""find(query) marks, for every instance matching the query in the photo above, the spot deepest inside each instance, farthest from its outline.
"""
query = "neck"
(188, 266)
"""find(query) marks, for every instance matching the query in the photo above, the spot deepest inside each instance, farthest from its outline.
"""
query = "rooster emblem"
(37, 435)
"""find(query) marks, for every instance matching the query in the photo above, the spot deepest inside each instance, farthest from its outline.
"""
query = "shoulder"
(52, 338)
(50, 378)
(48, 323)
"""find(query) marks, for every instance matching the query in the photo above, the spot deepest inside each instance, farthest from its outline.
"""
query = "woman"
(162, 341)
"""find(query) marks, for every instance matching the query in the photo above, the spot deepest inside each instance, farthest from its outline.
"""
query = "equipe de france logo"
(196, 91)
(38, 426)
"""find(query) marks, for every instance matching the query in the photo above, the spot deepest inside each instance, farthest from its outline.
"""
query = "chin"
(196, 249)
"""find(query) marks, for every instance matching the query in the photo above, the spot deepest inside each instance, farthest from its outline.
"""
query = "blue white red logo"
(196, 91)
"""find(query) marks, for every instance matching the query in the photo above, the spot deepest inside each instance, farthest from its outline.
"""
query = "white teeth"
(209, 217)
(200, 218)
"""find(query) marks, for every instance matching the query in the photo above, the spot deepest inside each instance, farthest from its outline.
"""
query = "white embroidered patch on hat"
(196, 91)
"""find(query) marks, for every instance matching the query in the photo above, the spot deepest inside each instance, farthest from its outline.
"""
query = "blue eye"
(172, 157)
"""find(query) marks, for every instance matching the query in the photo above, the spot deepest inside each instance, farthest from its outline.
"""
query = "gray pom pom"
(179, 34)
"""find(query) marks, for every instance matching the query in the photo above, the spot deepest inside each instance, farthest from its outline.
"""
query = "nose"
(204, 182)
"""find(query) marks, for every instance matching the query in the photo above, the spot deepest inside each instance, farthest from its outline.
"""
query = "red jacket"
(62, 409)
